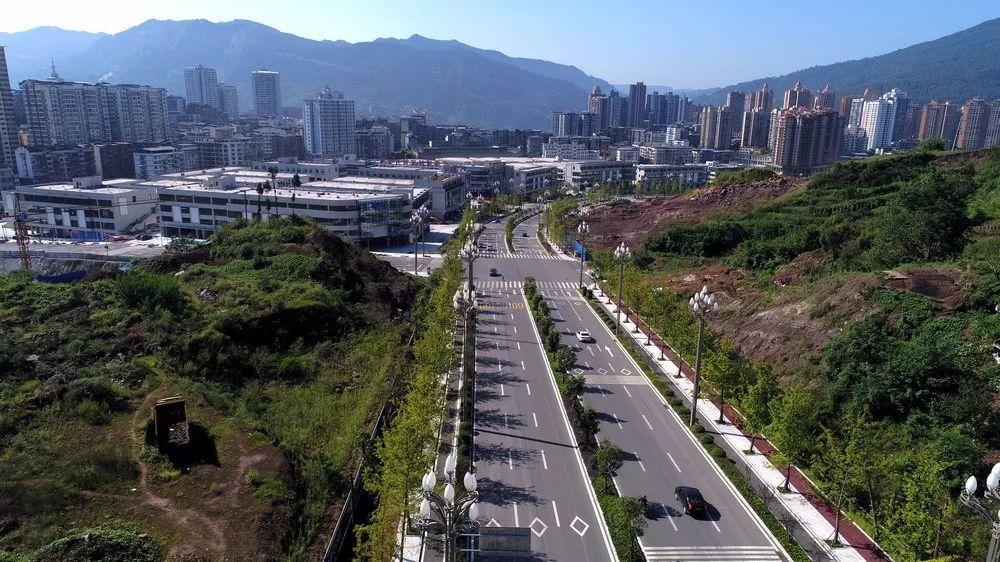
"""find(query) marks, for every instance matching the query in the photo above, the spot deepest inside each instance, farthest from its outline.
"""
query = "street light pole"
(417, 219)
(992, 492)
(469, 254)
(702, 305)
(582, 229)
(622, 254)
(446, 514)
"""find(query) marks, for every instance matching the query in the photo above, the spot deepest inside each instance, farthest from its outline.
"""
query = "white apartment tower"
(328, 124)
(8, 127)
(266, 87)
(878, 118)
(201, 86)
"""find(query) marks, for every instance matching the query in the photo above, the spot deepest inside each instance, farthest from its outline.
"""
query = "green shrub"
(697, 429)
(706, 439)
(149, 291)
(106, 543)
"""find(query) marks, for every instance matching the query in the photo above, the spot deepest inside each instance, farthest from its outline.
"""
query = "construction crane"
(21, 234)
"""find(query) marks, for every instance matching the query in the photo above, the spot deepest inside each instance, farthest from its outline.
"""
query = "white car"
(584, 336)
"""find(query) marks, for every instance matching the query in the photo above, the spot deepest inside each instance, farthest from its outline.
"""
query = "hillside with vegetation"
(857, 318)
(276, 334)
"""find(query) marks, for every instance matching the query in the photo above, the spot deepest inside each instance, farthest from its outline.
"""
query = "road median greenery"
(623, 515)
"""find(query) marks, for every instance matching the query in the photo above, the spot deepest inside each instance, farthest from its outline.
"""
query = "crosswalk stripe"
(710, 553)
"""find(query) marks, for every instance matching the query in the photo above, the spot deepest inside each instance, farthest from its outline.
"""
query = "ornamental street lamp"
(622, 255)
(464, 302)
(582, 229)
(448, 515)
(469, 254)
(417, 220)
(702, 305)
(992, 492)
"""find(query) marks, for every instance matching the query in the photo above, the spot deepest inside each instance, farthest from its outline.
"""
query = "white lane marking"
(626, 391)
(518, 343)
(555, 510)
(545, 464)
(591, 350)
(617, 421)
(716, 525)
(517, 520)
(534, 418)
(502, 393)
(608, 349)
(510, 463)
(645, 419)
(505, 421)
(511, 315)
(612, 366)
(602, 390)
(527, 386)
(642, 466)
(497, 343)
(671, 520)
(673, 462)
(522, 366)
(515, 331)
(496, 330)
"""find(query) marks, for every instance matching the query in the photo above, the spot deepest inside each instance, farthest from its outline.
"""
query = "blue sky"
(680, 43)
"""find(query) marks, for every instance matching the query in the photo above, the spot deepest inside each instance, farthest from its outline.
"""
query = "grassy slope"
(277, 340)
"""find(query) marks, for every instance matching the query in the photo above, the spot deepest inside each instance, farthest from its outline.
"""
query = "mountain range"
(452, 81)
(956, 67)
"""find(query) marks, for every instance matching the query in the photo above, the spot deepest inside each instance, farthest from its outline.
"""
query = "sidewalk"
(804, 502)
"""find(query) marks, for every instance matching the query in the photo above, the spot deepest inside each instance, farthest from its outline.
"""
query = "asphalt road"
(528, 466)
(660, 453)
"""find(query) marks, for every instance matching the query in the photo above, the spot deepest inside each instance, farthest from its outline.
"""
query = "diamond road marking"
(543, 525)
(582, 523)
(626, 372)
(493, 523)
(602, 371)
(578, 371)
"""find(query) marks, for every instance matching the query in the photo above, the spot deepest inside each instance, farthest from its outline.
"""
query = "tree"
(296, 181)
(588, 423)
(914, 514)
(794, 425)
(565, 359)
(605, 462)
(260, 193)
(626, 522)
(574, 386)
(756, 403)
(552, 340)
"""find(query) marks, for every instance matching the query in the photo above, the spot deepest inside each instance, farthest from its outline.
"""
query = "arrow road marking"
(608, 349)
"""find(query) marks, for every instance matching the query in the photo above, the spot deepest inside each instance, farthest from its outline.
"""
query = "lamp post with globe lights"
(449, 514)
(992, 492)
(622, 254)
(417, 220)
(469, 254)
(702, 305)
(582, 229)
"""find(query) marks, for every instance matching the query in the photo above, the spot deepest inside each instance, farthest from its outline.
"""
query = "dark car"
(524, 233)
(493, 272)
(691, 499)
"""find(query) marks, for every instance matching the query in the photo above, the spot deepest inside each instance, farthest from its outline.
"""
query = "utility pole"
(21, 234)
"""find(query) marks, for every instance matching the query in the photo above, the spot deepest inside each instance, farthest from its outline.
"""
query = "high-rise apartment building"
(939, 121)
(736, 101)
(972, 125)
(617, 110)
(824, 99)
(755, 128)
(8, 127)
(805, 140)
(636, 105)
(878, 117)
(137, 113)
(992, 137)
(662, 108)
(798, 96)
(597, 103)
(229, 101)
(762, 99)
(569, 124)
(902, 104)
(912, 130)
(266, 87)
(201, 86)
(713, 130)
(328, 122)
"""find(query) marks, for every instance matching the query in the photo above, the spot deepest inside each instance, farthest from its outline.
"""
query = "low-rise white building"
(159, 160)
(685, 174)
(307, 171)
(568, 151)
(85, 209)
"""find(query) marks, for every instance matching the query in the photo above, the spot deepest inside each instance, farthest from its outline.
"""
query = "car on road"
(691, 500)
(584, 336)
(523, 233)
(493, 272)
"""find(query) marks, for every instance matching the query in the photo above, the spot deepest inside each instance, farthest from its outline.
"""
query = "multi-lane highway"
(526, 460)
(529, 468)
